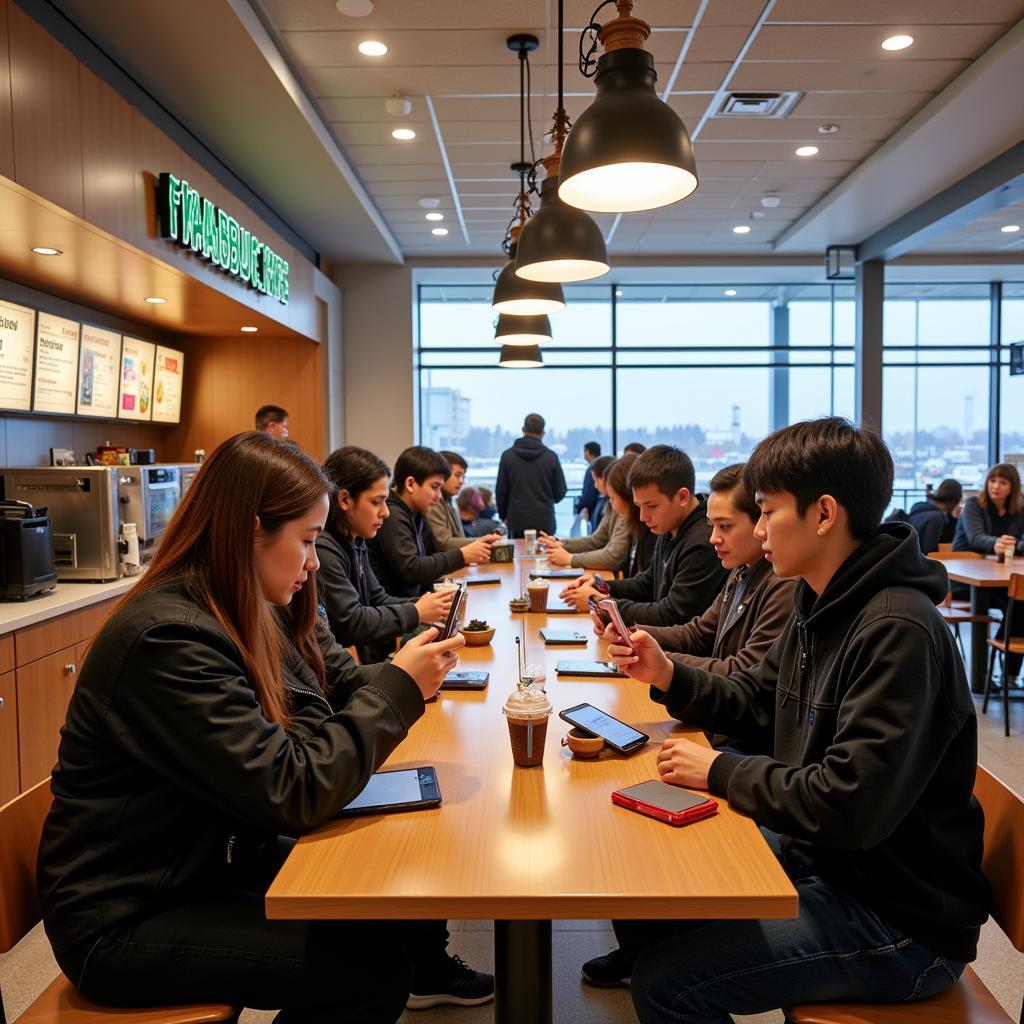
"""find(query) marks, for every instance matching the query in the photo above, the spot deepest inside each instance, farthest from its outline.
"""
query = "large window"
(1011, 389)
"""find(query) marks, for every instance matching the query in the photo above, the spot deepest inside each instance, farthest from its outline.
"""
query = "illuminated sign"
(195, 223)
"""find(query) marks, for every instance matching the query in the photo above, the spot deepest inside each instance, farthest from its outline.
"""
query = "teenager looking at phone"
(685, 574)
(620, 498)
(935, 518)
(213, 718)
(360, 612)
(607, 547)
(443, 517)
(405, 557)
(867, 797)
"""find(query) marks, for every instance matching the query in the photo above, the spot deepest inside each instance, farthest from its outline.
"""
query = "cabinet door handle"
(71, 669)
(2, 702)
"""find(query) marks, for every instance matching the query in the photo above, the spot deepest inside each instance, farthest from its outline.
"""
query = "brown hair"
(616, 478)
(666, 467)
(729, 480)
(1005, 471)
(209, 547)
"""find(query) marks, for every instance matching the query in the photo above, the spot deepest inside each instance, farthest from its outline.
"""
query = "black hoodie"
(864, 700)
(530, 483)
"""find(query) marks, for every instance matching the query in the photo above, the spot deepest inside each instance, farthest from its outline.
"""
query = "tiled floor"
(29, 967)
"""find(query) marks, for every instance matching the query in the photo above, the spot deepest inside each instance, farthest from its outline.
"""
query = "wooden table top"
(530, 843)
(981, 572)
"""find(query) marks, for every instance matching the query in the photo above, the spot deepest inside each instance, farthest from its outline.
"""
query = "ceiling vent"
(758, 104)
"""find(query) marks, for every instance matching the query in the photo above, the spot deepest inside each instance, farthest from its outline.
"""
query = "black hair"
(534, 424)
(420, 463)
(949, 493)
(667, 467)
(826, 456)
(267, 414)
(730, 480)
(352, 470)
(592, 448)
(600, 466)
(455, 459)
(634, 448)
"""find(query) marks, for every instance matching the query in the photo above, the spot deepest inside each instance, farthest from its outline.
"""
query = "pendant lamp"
(520, 357)
(560, 243)
(522, 330)
(629, 150)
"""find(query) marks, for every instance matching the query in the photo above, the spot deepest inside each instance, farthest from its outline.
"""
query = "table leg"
(979, 634)
(522, 972)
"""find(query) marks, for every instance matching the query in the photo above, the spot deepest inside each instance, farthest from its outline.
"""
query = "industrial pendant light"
(520, 357)
(522, 330)
(629, 150)
(560, 243)
(515, 295)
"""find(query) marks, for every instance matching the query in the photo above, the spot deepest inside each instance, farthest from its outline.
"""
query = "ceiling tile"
(798, 129)
(754, 76)
(888, 12)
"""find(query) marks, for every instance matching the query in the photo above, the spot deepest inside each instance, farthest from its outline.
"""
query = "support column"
(995, 381)
(870, 296)
(778, 387)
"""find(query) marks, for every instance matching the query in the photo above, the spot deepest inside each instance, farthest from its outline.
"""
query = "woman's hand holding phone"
(646, 662)
(428, 662)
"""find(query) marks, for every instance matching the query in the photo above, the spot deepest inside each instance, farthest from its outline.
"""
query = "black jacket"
(588, 494)
(684, 577)
(530, 484)
(357, 607)
(404, 555)
(167, 761)
(979, 528)
(641, 553)
(933, 526)
(864, 701)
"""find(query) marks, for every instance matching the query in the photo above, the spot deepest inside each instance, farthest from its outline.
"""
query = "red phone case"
(704, 810)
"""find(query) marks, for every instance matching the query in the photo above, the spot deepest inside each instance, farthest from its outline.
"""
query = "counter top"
(64, 598)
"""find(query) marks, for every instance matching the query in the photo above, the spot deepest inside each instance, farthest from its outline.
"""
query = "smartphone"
(409, 789)
(595, 606)
(479, 581)
(596, 669)
(562, 637)
(563, 609)
(666, 803)
(619, 736)
(615, 617)
(465, 680)
(455, 613)
(600, 585)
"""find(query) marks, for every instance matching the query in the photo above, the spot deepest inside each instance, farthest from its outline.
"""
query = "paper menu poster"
(17, 344)
(135, 399)
(99, 363)
(56, 364)
(167, 380)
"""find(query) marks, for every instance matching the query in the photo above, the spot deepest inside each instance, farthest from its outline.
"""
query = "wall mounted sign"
(56, 364)
(167, 385)
(135, 400)
(99, 363)
(17, 337)
(195, 223)
(1017, 358)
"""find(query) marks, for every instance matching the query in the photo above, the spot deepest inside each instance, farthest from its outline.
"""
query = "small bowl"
(478, 637)
(519, 604)
(584, 747)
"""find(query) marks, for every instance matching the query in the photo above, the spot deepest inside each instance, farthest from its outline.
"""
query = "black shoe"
(451, 982)
(609, 971)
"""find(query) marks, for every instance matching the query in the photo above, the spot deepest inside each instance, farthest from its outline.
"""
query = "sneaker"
(609, 971)
(451, 983)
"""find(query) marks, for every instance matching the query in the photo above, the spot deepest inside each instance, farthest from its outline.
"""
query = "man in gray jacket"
(443, 517)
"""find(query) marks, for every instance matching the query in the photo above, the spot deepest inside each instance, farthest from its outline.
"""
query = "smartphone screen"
(455, 614)
(609, 605)
(404, 789)
(614, 732)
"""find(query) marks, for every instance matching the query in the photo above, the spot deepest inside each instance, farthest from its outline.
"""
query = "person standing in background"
(583, 506)
(272, 420)
(530, 481)
(443, 518)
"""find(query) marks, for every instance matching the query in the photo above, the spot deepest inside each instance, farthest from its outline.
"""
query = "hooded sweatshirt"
(933, 526)
(864, 702)
(530, 484)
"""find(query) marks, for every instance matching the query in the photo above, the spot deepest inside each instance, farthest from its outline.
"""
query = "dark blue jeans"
(836, 950)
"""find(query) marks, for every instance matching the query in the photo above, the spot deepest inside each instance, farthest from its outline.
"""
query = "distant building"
(445, 418)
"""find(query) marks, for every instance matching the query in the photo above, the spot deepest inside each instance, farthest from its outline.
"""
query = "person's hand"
(1008, 540)
(559, 557)
(685, 763)
(477, 552)
(579, 597)
(580, 581)
(548, 542)
(599, 625)
(492, 538)
(433, 606)
(428, 662)
(646, 663)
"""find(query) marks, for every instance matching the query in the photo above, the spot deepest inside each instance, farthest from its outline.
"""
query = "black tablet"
(563, 637)
(556, 574)
(408, 789)
(601, 669)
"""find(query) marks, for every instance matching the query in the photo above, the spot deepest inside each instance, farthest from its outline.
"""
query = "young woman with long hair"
(214, 718)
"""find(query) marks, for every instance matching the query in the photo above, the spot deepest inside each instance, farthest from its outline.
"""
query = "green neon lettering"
(210, 243)
(224, 233)
(188, 205)
(283, 297)
(173, 205)
(233, 246)
(244, 254)
(256, 266)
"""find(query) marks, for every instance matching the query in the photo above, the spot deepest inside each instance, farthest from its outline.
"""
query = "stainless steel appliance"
(188, 474)
(148, 496)
(83, 509)
(26, 555)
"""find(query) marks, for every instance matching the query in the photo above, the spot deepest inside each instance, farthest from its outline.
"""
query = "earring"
(820, 532)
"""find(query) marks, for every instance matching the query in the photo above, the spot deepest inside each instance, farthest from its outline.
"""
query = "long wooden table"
(981, 574)
(524, 846)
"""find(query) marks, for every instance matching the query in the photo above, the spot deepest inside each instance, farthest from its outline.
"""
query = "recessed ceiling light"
(807, 151)
(355, 8)
(155, 300)
(897, 42)
(741, 229)
(249, 330)
(372, 48)
(618, 293)
(770, 200)
(435, 216)
(439, 231)
(1009, 229)
(45, 250)
(429, 202)
(404, 134)
(828, 129)
(729, 291)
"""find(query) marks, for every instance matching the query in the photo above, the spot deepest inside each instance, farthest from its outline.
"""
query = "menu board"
(167, 385)
(16, 346)
(56, 364)
(135, 400)
(99, 362)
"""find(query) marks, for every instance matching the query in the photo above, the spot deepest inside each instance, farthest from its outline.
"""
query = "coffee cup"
(527, 711)
(445, 586)
(584, 745)
(537, 590)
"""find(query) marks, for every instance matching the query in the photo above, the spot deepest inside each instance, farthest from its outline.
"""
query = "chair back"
(1003, 859)
(1015, 591)
(947, 546)
(21, 826)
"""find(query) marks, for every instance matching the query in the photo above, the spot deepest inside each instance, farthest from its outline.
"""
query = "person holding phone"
(359, 610)
(215, 719)
(866, 795)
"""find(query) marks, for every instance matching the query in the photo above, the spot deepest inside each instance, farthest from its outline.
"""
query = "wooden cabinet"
(44, 691)
(9, 785)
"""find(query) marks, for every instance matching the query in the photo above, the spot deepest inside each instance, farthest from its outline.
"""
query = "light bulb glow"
(741, 229)
(729, 291)
(1009, 229)
(404, 134)
(528, 307)
(807, 151)
(627, 187)
(897, 42)
(435, 216)
(155, 300)
(372, 48)
(439, 231)
(563, 270)
(46, 250)
(249, 330)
